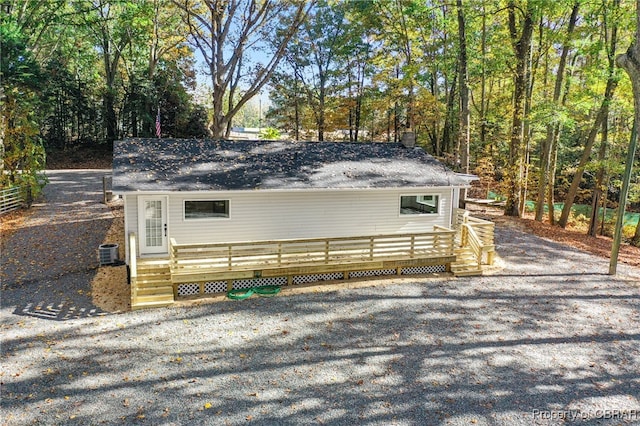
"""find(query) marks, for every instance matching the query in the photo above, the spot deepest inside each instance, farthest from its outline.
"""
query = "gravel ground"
(549, 335)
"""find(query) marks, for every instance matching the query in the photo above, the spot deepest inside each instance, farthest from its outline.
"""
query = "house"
(199, 195)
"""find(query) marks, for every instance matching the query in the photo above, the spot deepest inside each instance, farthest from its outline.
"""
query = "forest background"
(525, 94)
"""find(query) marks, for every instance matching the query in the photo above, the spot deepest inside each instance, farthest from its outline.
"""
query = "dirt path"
(48, 263)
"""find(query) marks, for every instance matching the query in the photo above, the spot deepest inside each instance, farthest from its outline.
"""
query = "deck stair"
(153, 285)
(466, 263)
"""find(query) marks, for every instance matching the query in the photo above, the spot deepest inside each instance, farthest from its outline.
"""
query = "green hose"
(265, 291)
(240, 294)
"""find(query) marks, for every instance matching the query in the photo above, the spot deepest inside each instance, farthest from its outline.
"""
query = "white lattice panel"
(304, 279)
(432, 269)
(258, 282)
(188, 289)
(376, 273)
(215, 287)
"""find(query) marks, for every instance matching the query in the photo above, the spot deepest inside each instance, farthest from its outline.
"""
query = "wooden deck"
(205, 269)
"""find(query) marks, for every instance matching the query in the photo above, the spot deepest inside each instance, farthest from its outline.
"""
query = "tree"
(226, 32)
(21, 147)
(288, 103)
(601, 116)
(313, 56)
(630, 62)
(521, 44)
(464, 138)
(549, 144)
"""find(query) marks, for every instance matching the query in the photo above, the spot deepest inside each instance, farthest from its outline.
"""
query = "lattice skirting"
(210, 287)
(258, 282)
(304, 279)
(213, 287)
(432, 269)
(375, 273)
(188, 289)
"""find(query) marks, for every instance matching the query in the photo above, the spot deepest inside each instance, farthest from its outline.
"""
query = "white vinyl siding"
(269, 215)
(131, 212)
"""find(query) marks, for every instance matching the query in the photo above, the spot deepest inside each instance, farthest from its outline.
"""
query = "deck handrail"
(483, 228)
(327, 251)
(474, 242)
(133, 265)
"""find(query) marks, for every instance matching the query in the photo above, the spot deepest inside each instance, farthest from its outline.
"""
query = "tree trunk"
(603, 113)
(447, 128)
(359, 96)
(521, 46)
(586, 154)
(597, 191)
(464, 131)
(483, 80)
(630, 62)
(110, 119)
(553, 129)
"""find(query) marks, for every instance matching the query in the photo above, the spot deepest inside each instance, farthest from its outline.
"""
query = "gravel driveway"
(550, 335)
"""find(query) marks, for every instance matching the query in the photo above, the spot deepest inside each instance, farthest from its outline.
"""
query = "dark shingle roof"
(200, 165)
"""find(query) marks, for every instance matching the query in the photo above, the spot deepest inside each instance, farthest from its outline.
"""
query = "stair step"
(153, 284)
(470, 273)
(166, 298)
(157, 290)
(153, 280)
(149, 305)
(155, 271)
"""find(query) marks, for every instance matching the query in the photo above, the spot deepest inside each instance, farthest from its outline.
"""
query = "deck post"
(371, 247)
(413, 246)
(279, 254)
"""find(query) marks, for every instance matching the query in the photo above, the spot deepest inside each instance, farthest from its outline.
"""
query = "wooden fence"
(11, 199)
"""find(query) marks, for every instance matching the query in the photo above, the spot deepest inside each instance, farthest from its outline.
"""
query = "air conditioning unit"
(108, 254)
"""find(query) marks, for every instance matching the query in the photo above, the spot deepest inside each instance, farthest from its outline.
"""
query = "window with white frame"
(206, 209)
(419, 204)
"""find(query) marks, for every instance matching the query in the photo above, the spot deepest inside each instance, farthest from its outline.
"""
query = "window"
(419, 204)
(206, 209)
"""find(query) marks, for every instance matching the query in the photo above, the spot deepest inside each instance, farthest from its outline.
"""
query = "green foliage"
(18, 67)
(270, 134)
(82, 72)
(22, 151)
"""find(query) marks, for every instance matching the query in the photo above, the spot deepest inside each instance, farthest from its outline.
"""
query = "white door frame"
(158, 240)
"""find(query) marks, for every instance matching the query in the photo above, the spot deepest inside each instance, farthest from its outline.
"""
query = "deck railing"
(483, 230)
(306, 255)
(471, 239)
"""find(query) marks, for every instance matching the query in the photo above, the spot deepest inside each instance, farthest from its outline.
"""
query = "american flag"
(158, 133)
